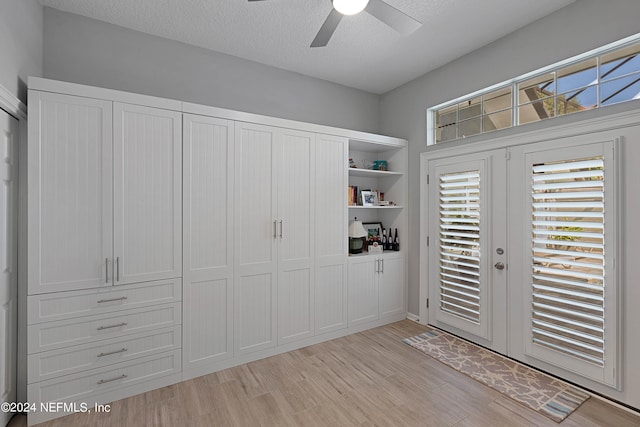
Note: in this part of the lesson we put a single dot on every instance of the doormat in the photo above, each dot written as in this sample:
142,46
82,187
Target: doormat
551,397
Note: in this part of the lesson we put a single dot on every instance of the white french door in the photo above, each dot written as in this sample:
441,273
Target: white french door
564,272
522,252
467,240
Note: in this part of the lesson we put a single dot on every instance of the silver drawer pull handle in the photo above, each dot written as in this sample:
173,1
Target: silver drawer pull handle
112,379
112,326
122,350
112,300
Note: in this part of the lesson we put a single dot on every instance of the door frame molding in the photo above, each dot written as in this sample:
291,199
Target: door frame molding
18,109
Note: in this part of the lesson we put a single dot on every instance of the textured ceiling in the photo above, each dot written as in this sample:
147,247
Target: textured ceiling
363,53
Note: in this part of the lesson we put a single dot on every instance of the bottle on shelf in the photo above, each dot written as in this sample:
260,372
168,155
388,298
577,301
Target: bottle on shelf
396,242
384,239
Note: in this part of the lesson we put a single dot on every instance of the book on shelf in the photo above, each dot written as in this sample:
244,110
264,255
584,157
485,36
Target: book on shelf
352,191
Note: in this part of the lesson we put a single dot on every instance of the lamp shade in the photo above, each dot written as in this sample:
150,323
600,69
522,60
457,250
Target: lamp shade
349,7
356,229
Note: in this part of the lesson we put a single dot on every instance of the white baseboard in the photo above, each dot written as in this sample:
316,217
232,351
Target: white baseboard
413,317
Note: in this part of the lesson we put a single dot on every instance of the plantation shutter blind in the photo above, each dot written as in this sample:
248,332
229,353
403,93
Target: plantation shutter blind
568,258
460,244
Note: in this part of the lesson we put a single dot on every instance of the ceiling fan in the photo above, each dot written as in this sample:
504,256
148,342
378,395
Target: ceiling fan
384,12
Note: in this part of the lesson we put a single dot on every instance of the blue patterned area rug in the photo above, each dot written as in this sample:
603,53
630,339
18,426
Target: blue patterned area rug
542,393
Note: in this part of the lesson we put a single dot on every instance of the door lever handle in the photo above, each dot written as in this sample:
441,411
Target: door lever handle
499,265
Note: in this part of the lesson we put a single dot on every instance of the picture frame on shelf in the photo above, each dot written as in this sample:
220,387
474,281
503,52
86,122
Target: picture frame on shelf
374,230
369,198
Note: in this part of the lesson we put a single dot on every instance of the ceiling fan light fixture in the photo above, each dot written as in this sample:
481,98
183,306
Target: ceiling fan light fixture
350,7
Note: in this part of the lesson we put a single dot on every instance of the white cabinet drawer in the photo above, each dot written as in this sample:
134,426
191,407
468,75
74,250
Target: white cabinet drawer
68,305
64,333
84,385
69,360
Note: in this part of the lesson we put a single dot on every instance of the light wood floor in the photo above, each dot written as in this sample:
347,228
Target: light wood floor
366,379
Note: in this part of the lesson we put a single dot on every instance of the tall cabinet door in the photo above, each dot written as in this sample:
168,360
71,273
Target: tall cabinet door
296,238
256,232
70,193
147,193
467,246
331,233
208,242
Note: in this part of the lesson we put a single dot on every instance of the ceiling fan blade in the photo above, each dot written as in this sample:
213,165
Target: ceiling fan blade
327,29
396,19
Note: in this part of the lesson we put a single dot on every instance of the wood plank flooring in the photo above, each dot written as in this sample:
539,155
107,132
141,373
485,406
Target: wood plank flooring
366,379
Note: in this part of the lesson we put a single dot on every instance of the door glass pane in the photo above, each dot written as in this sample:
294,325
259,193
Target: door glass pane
470,127
578,75
470,108
619,90
578,100
536,88
621,62
495,121
536,111
497,100
446,120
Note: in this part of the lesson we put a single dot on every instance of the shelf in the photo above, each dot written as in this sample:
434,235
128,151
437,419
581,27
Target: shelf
372,173
376,147
373,255
375,207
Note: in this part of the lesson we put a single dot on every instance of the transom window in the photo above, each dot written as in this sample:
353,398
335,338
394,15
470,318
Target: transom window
602,77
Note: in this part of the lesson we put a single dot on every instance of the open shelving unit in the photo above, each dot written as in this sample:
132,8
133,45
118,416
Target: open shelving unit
391,182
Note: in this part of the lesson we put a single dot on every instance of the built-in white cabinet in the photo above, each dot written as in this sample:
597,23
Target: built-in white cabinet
208,242
376,287
275,253
228,231
377,281
104,193
104,269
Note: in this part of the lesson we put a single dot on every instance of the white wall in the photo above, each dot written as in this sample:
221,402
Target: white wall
82,50
575,29
20,44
